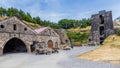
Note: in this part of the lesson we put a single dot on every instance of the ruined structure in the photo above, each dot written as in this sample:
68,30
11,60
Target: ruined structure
64,40
15,36
101,27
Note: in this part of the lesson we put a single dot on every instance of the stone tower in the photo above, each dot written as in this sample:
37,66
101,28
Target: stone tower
101,27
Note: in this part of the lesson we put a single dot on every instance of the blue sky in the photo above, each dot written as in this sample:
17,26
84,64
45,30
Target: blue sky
55,10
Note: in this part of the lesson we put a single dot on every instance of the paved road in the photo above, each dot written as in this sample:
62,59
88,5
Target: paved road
65,59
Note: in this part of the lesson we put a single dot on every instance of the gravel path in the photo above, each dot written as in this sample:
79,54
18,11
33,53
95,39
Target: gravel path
65,59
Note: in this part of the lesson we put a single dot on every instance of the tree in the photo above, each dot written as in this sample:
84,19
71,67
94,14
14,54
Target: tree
21,15
28,18
12,12
37,20
2,11
63,23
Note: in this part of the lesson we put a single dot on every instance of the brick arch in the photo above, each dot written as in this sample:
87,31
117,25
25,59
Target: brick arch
17,44
50,44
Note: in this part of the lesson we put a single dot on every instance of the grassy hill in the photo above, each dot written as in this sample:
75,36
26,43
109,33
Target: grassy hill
31,25
78,29
79,35
109,52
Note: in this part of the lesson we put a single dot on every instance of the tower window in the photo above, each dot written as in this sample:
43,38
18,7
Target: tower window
102,19
14,27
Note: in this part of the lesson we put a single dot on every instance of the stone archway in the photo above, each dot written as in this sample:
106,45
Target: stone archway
50,44
14,45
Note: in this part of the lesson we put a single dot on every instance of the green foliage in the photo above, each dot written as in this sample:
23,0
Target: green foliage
83,37
118,32
12,12
73,35
67,23
2,11
27,17
78,37
85,22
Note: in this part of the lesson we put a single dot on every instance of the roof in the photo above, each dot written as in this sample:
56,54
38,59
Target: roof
40,29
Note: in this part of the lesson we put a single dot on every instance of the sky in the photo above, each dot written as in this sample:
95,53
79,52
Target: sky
55,10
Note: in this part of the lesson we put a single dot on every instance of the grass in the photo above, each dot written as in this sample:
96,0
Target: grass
80,35
109,52
31,25
78,29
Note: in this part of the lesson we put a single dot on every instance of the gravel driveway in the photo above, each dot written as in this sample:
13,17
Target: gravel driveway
65,59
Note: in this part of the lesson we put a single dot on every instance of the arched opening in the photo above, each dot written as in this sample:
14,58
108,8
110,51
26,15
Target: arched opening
101,40
14,45
102,30
50,44
102,19
33,46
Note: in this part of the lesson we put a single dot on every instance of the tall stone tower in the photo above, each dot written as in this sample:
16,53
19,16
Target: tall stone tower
101,27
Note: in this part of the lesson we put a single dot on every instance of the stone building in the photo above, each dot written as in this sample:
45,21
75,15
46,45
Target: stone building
64,40
48,36
15,36
101,27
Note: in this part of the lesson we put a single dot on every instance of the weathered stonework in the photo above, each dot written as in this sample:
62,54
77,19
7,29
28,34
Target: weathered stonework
63,37
14,32
101,27
47,34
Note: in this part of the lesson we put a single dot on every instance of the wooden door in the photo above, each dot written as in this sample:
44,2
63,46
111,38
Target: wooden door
50,44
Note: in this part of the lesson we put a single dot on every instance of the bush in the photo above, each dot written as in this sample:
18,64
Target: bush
118,32
78,37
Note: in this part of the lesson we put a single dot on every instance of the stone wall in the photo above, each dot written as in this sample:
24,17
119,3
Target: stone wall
14,28
47,38
102,27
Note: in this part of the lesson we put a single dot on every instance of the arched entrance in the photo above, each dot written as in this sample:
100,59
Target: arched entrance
14,45
50,44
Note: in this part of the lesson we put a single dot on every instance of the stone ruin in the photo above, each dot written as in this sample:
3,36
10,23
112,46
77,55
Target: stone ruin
63,37
101,27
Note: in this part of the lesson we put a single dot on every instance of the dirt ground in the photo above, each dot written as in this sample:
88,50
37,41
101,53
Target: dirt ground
103,54
108,52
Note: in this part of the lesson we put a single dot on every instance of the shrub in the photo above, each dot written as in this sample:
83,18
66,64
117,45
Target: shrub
118,32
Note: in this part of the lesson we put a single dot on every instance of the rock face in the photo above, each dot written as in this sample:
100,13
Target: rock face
15,36
63,37
101,27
